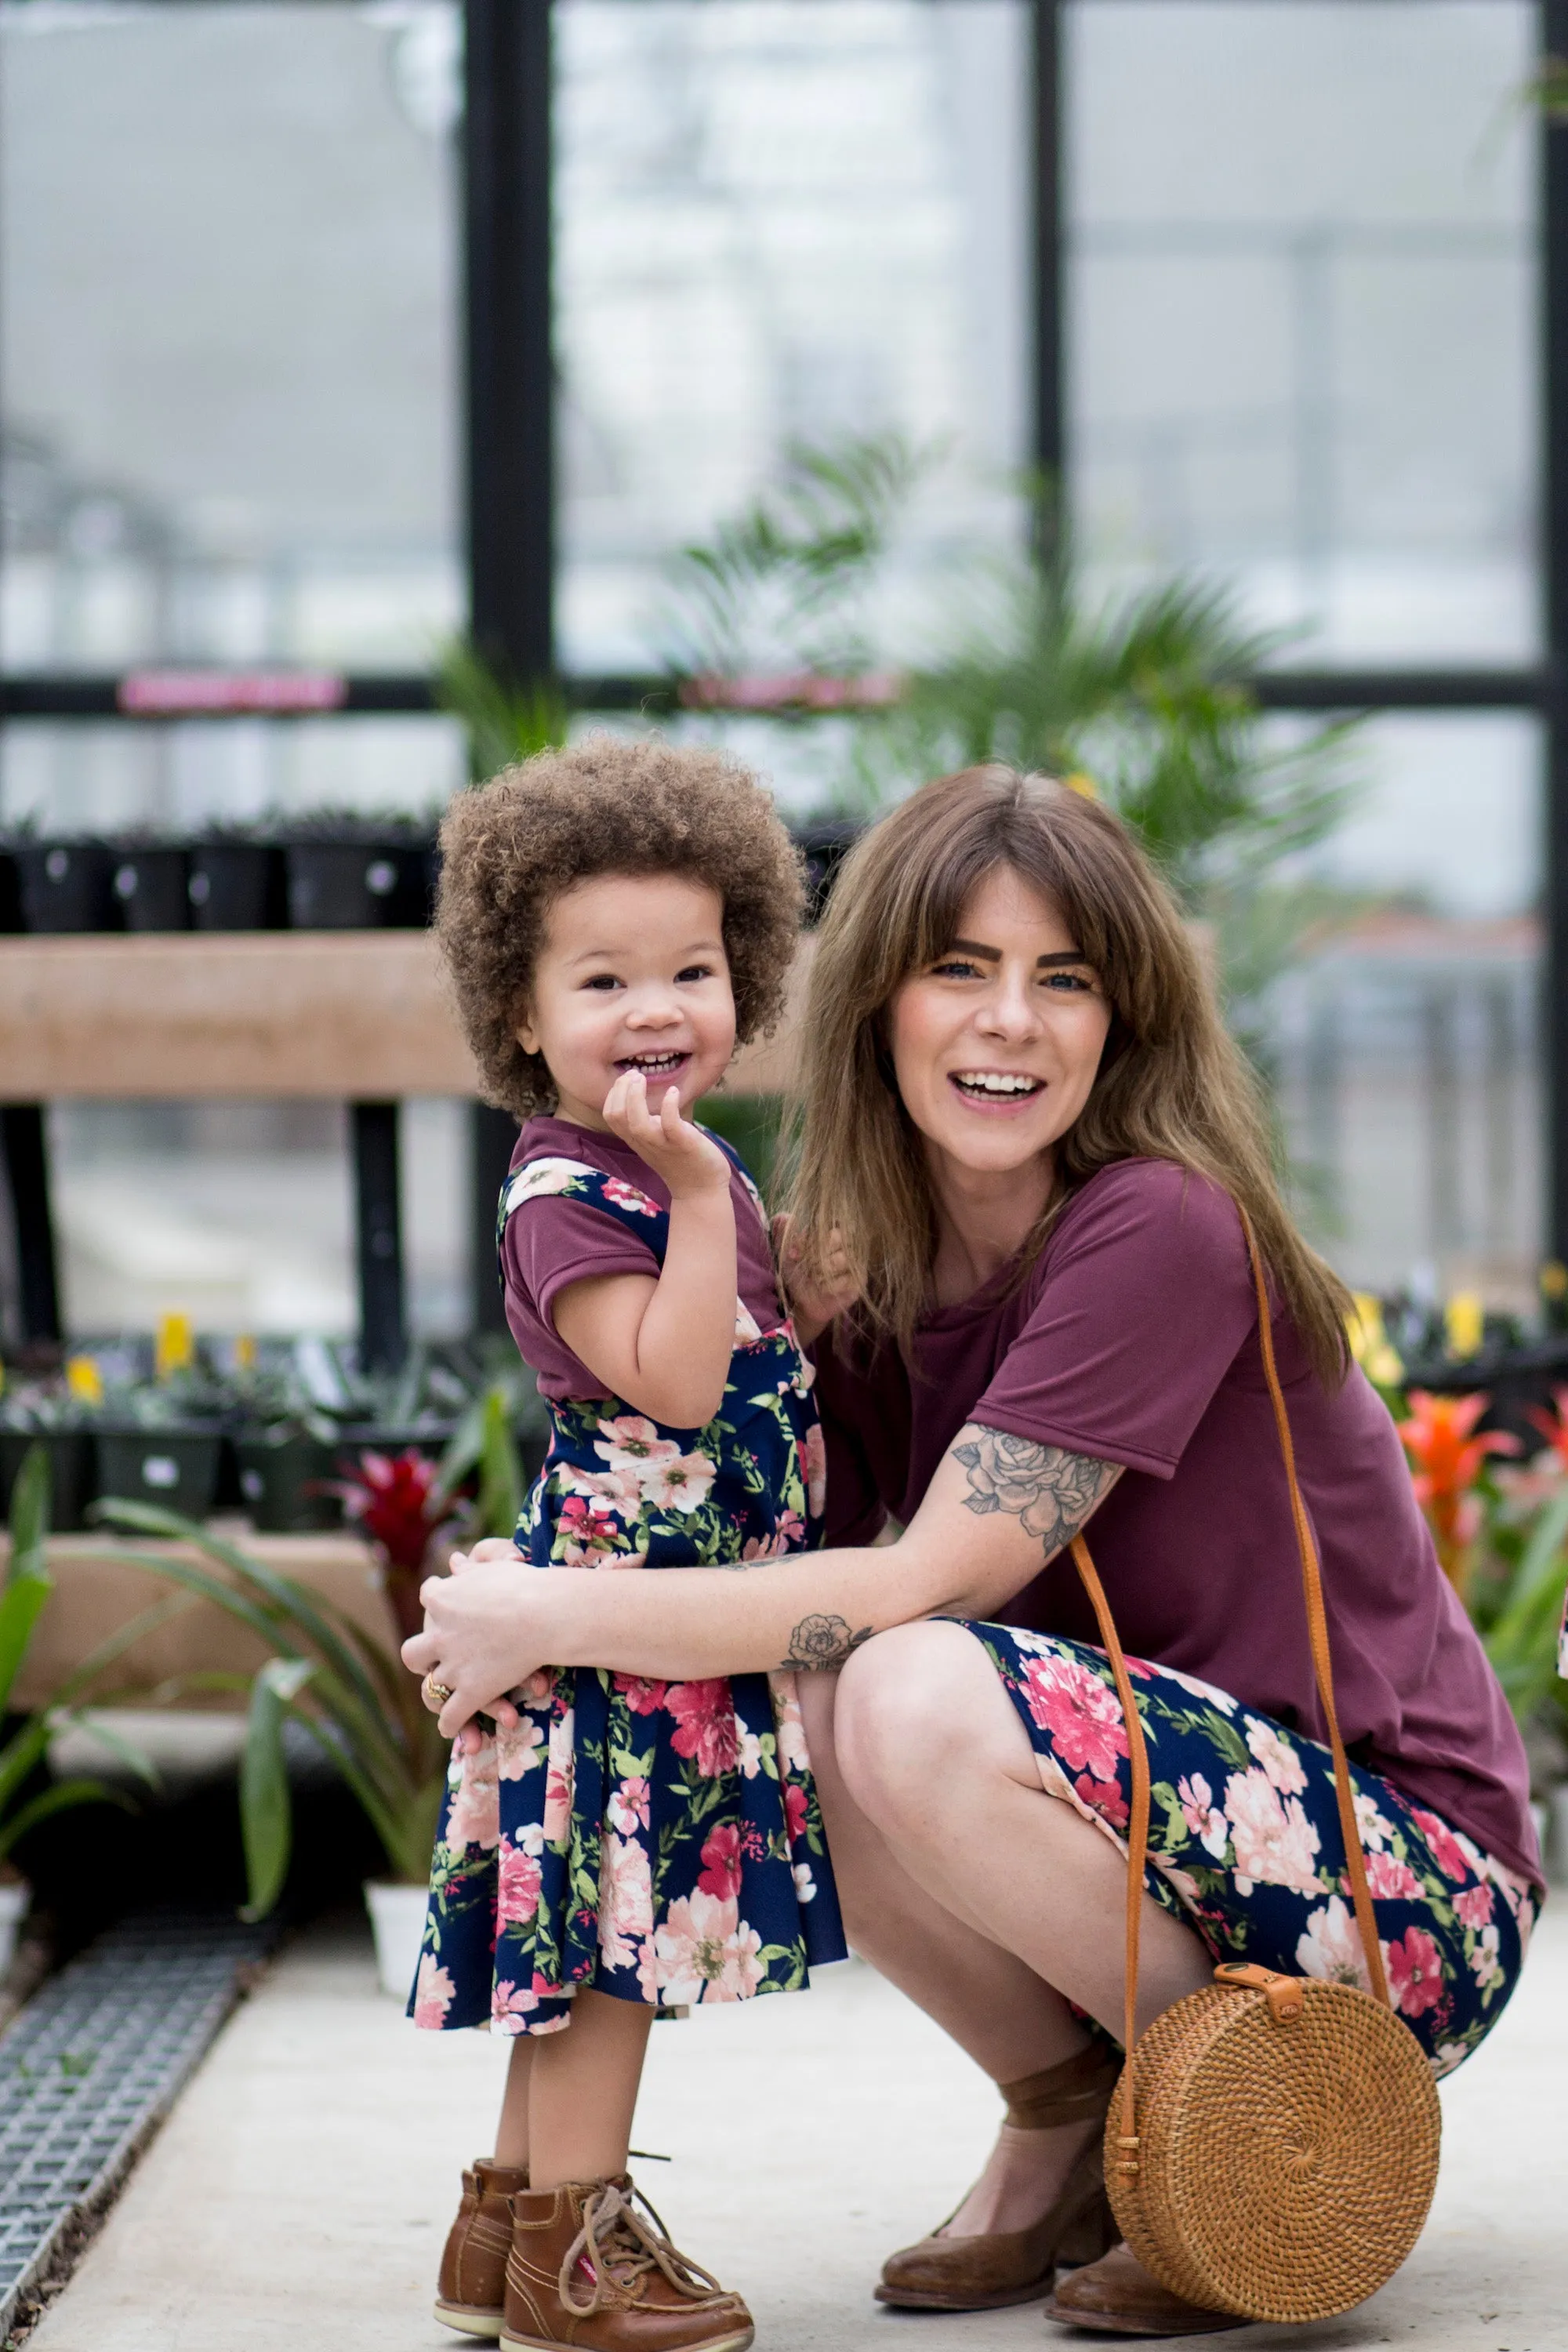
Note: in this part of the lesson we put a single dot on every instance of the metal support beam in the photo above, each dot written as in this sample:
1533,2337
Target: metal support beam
1047,216
378,1223
1554,583
510,426
27,1173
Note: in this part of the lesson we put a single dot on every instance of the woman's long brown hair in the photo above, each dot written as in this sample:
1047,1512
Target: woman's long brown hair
1172,1084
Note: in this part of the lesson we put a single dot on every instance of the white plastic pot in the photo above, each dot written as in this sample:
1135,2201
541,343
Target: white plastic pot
397,1923
15,1896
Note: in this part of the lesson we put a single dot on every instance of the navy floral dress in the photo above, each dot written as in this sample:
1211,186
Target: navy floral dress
658,1840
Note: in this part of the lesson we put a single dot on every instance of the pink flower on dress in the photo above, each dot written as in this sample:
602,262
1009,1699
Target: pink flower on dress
1083,1716
626,1196
434,1992
1203,1817
1104,1797
772,1547
1275,1844
517,1888
706,1716
705,1951
813,1468
588,1532
805,1885
1376,1827
1414,1971
1279,1759
1330,1949
1391,1881
748,1750
795,1810
789,1730
618,1488
720,1871
627,1809
518,1751
681,1485
561,1780
633,1443
1485,1961
509,2003
475,1816
1445,1845
626,1899
643,1696
1474,1907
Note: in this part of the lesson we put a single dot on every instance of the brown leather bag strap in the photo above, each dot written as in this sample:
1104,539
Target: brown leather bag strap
1138,1755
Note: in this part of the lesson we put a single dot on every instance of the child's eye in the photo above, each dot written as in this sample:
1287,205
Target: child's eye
605,980
695,972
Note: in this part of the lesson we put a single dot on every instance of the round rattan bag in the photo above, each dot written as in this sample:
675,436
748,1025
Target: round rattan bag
1287,2136
1272,2145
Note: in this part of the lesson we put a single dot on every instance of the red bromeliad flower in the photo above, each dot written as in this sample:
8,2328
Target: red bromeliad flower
1553,1425
1446,1464
393,1500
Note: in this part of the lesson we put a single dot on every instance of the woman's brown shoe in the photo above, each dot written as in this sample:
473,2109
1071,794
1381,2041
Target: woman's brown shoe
981,2273
1119,2297
590,2271
472,2289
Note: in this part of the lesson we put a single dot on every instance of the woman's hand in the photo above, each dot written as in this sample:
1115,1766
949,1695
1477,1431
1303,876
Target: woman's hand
476,1621
813,1293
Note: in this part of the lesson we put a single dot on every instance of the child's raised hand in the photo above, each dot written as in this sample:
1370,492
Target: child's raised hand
690,1161
814,1293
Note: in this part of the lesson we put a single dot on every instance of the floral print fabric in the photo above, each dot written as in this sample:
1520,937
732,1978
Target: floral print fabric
659,1841
1244,1843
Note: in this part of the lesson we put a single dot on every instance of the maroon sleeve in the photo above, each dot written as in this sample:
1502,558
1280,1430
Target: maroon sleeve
1142,1307
554,1241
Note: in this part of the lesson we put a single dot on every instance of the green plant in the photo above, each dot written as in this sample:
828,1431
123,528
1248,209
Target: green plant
326,1675
27,1587
506,719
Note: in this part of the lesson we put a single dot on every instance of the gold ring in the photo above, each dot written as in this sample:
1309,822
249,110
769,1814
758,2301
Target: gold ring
437,1691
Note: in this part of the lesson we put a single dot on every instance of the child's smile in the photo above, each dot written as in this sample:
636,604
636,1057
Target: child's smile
632,977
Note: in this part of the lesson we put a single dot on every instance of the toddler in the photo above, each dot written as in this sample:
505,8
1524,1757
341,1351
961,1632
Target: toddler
615,917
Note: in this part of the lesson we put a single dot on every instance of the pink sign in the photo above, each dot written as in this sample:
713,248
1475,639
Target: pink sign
194,693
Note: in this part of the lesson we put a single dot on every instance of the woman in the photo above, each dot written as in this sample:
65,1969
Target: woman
1025,1143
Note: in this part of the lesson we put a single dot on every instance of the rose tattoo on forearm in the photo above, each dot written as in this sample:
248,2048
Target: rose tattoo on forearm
821,1643
1049,1491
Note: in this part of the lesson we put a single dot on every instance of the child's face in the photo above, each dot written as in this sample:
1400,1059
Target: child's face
632,976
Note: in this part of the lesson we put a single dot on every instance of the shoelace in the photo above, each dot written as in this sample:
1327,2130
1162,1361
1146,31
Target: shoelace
620,2244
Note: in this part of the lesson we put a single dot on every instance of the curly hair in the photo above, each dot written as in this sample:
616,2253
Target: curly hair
606,806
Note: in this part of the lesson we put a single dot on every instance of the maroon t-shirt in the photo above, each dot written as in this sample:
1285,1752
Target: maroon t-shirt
1134,1339
555,1239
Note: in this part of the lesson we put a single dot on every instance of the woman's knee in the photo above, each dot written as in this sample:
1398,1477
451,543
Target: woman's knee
899,1708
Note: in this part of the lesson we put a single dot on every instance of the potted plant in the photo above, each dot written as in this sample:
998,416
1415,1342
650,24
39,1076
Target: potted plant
286,1448
152,877
25,1804
349,1694
62,1416
236,879
67,884
351,871
160,1440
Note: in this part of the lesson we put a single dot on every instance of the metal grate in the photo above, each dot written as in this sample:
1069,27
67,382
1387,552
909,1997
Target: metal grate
94,2063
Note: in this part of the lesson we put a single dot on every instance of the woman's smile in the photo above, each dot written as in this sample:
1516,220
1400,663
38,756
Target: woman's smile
995,1093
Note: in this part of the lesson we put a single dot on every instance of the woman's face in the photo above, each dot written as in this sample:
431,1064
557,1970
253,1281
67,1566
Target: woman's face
995,1045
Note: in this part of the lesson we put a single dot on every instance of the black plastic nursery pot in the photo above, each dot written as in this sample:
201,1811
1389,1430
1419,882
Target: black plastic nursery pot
177,1469
235,886
67,885
153,888
363,887
285,1482
10,892
72,1472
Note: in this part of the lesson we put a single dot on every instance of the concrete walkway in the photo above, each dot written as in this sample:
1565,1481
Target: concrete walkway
300,2194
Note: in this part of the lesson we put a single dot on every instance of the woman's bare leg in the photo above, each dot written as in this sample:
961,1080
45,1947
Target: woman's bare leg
979,1896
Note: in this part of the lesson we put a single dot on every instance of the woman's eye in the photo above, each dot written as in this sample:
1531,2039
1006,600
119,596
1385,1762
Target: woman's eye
1075,983
955,967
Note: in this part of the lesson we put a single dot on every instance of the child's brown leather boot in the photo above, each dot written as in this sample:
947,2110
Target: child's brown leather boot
472,2289
592,2270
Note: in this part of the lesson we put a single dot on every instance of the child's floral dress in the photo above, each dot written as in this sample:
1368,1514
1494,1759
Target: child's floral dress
659,1841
